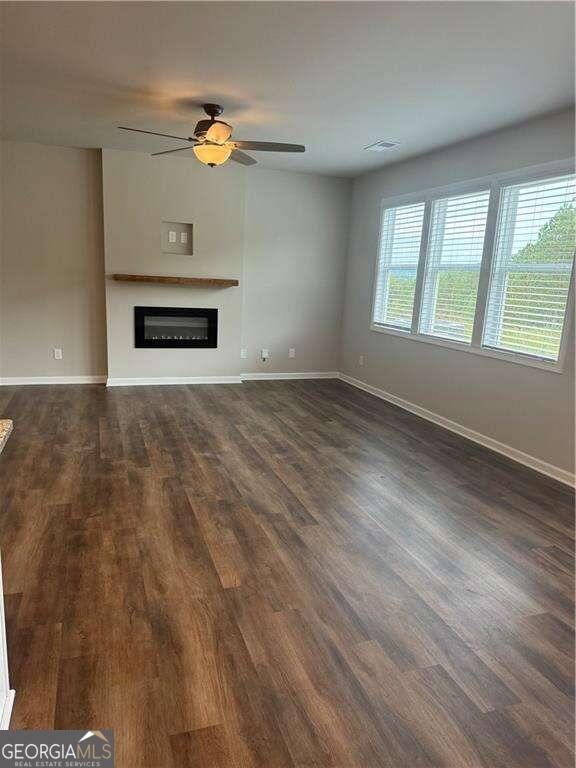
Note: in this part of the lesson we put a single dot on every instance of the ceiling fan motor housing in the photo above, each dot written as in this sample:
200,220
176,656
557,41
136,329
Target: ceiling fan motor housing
214,110
202,126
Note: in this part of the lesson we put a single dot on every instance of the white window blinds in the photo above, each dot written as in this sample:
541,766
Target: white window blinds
400,235
531,267
452,269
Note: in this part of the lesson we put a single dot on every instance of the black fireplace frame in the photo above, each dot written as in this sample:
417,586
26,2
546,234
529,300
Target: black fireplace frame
141,342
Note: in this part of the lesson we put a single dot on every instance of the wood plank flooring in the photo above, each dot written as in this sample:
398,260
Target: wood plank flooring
282,575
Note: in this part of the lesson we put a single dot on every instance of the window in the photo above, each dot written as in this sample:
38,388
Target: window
400,234
484,268
454,257
532,267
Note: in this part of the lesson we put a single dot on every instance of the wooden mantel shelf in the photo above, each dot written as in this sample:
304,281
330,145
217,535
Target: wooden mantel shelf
208,282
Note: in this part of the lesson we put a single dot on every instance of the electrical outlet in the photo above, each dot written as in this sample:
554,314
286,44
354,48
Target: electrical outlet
57,353
243,354
264,354
291,352
361,360
183,237
171,236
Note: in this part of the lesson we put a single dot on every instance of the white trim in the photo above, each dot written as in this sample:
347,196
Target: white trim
169,380
420,269
10,381
281,376
488,442
529,173
6,709
461,346
485,273
494,183
6,693
164,380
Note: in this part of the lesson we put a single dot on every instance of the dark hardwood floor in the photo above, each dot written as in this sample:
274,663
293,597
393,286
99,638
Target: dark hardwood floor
282,575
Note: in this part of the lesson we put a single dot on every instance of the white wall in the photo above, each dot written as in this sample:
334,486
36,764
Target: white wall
274,230
52,269
139,192
296,245
526,408
282,234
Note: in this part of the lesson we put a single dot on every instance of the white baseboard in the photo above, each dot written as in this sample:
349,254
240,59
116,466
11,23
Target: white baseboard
164,380
488,442
283,376
12,381
6,709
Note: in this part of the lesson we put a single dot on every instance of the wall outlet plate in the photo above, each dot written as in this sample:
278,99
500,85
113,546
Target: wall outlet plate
176,237
291,352
362,360
264,354
243,354
57,353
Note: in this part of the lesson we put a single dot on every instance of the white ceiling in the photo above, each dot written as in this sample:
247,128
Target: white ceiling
335,76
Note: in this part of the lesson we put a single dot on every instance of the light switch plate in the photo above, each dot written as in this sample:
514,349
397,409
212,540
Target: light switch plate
176,237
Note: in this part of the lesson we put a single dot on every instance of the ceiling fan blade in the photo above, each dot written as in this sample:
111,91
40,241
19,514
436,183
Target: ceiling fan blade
269,146
169,151
153,133
242,158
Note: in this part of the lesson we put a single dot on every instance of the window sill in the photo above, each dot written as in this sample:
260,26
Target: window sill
507,357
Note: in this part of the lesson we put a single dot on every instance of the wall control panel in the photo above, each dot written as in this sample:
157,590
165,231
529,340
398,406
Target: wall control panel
176,237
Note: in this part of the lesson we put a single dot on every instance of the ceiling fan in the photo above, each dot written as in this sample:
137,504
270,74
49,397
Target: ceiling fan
211,141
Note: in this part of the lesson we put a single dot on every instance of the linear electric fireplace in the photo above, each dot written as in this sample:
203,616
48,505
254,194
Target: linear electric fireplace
175,327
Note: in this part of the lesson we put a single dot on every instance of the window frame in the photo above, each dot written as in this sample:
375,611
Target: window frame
494,183
396,266
428,269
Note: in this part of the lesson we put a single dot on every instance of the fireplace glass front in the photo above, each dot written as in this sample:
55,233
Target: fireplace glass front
175,327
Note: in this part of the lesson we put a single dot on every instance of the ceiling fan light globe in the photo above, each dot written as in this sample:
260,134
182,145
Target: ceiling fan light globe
219,132
212,154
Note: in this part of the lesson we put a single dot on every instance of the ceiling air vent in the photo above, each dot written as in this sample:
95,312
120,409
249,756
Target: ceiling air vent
385,145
